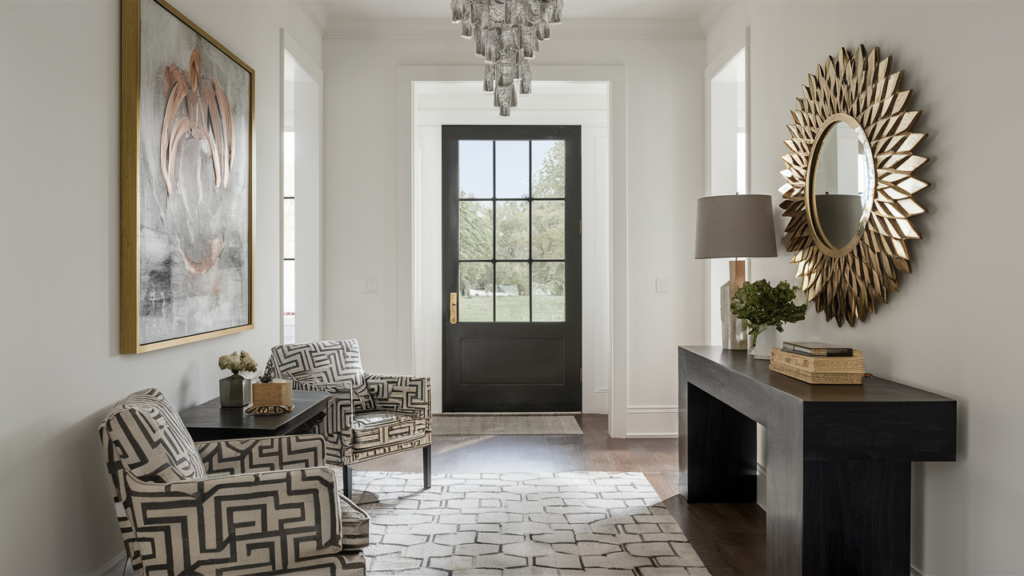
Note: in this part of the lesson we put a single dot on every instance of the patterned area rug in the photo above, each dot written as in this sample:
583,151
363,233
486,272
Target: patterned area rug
526,523
502,425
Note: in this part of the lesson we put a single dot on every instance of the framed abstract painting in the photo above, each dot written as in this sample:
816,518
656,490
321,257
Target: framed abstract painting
186,182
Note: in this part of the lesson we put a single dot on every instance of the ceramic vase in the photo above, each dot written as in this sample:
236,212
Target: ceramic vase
765,343
235,391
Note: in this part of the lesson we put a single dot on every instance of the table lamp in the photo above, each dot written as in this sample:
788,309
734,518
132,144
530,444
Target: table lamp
740,226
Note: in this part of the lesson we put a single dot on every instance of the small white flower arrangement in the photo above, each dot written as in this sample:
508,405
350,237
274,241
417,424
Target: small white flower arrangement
238,362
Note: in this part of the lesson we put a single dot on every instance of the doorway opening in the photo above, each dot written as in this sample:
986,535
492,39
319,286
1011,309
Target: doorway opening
300,198
585,103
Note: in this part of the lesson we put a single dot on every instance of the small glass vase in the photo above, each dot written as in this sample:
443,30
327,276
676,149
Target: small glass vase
235,391
765,343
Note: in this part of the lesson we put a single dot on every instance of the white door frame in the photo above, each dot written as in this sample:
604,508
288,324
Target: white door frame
407,219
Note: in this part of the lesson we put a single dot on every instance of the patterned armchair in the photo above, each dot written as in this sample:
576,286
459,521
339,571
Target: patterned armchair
254,506
369,415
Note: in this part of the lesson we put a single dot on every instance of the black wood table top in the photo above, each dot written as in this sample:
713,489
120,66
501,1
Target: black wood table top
873,389
210,421
879,420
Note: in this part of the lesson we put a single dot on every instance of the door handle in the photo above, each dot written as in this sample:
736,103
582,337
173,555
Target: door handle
453,308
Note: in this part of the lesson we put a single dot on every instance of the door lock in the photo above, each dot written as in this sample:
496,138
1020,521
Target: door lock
453,308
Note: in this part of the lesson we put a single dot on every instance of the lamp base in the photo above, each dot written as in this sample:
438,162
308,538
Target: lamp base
734,330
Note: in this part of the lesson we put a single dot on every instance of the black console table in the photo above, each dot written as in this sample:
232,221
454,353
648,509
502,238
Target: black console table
838,458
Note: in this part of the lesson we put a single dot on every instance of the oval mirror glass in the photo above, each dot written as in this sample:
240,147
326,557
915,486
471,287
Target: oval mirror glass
842,186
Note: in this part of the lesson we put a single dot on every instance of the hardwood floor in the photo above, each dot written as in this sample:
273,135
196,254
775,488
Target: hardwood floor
730,538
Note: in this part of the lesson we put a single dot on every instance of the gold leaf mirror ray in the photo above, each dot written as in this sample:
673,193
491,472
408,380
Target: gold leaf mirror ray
850,189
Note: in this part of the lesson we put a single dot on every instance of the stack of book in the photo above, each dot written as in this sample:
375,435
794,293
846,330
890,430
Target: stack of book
817,363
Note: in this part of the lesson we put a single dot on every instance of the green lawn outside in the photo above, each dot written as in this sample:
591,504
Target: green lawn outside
512,309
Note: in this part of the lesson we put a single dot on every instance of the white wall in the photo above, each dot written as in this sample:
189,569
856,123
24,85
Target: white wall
665,115
59,181
953,327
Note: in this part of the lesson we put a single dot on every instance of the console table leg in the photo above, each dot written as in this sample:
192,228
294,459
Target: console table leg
721,445
856,517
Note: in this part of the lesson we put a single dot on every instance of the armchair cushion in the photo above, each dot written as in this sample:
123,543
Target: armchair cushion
325,366
356,534
262,454
148,437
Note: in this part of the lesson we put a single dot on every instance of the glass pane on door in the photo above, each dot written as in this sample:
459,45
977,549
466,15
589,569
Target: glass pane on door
476,230
548,169
476,164
512,292
512,168
548,230
476,292
549,291
513,230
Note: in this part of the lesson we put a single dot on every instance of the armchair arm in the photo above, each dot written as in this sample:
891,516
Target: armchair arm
262,454
266,521
402,394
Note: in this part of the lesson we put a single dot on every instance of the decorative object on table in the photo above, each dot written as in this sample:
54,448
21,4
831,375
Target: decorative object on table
763,307
369,415
148,451
739,226
850,190
819,369
269,410
507,34
816,349
235,391
186,186
277,392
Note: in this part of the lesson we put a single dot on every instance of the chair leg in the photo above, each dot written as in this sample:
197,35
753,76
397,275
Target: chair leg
346,473
426,467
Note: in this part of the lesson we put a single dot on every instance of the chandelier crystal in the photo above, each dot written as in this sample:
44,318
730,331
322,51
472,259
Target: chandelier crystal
507,34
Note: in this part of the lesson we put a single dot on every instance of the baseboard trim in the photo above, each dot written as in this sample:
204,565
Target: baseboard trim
650,435
116,567
915,572
507,413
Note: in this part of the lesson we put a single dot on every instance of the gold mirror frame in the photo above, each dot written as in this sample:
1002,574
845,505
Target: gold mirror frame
846,284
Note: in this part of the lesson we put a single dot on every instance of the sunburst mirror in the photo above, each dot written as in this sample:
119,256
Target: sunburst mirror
850,188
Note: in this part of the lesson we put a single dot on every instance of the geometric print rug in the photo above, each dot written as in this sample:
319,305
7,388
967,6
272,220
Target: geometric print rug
520,524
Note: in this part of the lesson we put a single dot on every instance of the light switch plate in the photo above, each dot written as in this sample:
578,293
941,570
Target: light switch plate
370,285
661,285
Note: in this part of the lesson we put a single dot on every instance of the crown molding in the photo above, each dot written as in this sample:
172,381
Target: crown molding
316,13
711,14
573,29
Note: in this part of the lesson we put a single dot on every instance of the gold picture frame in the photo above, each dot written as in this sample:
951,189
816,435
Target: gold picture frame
847,282
189,227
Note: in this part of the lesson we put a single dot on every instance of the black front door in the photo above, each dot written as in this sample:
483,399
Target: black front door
512,271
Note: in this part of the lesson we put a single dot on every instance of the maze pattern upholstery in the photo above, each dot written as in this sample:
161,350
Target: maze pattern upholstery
262,454
349,442
273,515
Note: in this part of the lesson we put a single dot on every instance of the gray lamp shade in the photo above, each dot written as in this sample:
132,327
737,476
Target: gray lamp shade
740,226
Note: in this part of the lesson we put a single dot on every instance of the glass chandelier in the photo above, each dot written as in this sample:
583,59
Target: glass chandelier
507,34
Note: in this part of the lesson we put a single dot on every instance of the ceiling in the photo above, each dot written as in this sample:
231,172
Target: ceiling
575,9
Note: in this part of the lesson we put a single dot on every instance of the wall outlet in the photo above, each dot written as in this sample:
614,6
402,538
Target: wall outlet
370,285
661,285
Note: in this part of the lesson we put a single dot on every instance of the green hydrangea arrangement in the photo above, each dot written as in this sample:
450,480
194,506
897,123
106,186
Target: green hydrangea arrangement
238,362
762,306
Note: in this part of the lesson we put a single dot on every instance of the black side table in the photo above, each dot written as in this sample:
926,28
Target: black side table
210,421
